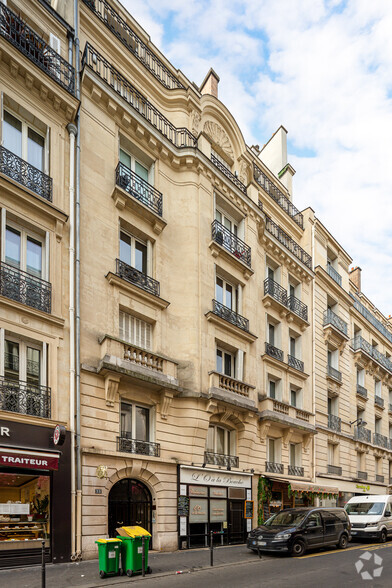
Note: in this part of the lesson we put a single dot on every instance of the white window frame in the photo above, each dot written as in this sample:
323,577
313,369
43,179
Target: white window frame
25,129
229,440
297,454
136,331
24,234
23,344
151,419
134,160
235,297
378,388
277,444
233,362
135,240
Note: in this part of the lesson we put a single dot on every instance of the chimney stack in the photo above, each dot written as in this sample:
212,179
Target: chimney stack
210,83
355,277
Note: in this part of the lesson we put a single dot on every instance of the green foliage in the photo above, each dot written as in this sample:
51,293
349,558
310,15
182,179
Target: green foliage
41,506
264,494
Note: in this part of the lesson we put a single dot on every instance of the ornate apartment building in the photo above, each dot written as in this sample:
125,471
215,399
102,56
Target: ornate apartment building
201,339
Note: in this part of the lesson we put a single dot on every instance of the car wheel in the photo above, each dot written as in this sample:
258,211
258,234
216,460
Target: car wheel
298,548
383,536
343,541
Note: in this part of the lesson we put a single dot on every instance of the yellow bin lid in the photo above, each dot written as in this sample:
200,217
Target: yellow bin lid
136,532
107,540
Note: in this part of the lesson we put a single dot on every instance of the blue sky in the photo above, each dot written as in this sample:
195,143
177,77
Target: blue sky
323,69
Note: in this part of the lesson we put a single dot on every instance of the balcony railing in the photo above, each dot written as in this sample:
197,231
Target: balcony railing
25,288
330,318
278,196
143,357
381,440
336,470
295,363
331,271
288,242
180,137
25,174
379,401
128,37
372,319
361,391
334,373
273,351
362,475
273,468
21,36
298,307
134,276
219,459
233,385
135,446
275,290
25,398
225,170
359,343
295,471
139,188
379,478
362,434
334,423
281,407
230,316
231,242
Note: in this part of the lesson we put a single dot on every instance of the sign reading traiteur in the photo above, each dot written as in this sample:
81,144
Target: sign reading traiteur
33,460
189,475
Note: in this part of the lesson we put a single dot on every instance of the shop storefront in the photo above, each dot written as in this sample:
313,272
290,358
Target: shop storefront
35,504
212,500
349,489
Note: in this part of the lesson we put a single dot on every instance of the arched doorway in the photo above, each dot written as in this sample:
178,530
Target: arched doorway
130,504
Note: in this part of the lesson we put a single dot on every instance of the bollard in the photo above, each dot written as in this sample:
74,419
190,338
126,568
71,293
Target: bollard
43,571
143,559
211,549
258,550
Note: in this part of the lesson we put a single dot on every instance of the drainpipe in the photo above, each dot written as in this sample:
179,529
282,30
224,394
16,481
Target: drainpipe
314,353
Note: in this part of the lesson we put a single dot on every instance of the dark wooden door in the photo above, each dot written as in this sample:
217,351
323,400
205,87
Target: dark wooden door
129,504
236,521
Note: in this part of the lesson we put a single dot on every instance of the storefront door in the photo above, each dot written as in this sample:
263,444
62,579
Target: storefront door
236,521
129,504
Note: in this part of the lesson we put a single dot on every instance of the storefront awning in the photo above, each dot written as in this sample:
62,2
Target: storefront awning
32,460
305,487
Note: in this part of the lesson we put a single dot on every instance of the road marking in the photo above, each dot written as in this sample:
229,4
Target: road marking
370,546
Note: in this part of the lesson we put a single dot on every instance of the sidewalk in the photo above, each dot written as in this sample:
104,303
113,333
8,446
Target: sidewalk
85,574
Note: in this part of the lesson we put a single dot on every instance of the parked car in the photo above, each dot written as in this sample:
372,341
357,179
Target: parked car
297,529
370,516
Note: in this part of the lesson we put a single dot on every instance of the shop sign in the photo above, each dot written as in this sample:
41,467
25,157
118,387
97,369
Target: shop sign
4,432
215,478
14,508
198,510
218,492
182,526
32,460
218,511
59,435
198,491
362,487
248,509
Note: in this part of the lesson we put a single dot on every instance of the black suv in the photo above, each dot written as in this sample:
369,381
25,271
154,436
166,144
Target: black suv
297,529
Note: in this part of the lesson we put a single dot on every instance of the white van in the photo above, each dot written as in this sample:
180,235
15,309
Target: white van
370,516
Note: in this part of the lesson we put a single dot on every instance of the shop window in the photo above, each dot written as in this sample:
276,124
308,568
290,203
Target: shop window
135,422
221,440
135,330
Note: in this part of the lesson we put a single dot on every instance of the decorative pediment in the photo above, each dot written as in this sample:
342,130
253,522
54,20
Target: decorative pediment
218,137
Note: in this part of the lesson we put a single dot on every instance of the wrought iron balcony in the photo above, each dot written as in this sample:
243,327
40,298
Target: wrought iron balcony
139,188
298,307
295,363
273,351
362,434
381,440
130,39
379,478
25,398
278,196
361,391
295,471
372,319
330,318
22,172
219,459
124,443
379,401
180,137
231,242
230,316
334,423
331,271
134,276
359,343
334,373
25,288
21,36
273,468
275,290
225,170
336,470
288,242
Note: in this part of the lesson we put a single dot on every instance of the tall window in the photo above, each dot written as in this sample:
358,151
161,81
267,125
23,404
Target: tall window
271,334
133,164
133,252
331,453
226,293
377,388
377,425
220,440
23,361
24,250
296,397
292,346
225,363
361,377
24,141
135,330
226,221
135,422
274,450
295,454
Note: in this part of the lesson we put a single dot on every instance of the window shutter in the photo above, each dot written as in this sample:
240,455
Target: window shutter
134,330
233,442
54,42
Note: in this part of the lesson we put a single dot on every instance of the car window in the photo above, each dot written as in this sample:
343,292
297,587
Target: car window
314,516
330,517
365,508
286,519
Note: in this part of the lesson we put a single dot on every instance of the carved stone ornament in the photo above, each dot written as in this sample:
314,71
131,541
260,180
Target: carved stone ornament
243,175
195,122
219,137
102,472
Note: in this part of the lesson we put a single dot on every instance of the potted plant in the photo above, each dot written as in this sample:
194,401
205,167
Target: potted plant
41,507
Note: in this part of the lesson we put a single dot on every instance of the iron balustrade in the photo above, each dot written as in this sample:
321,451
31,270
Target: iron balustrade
298,307
359,343
25,288
334,373
275,290
278,196
25,174
363,434
273,468
288,242
372,319
11,363
379,401
295,363
362,475
133,43
180,137
333,469
225,170
331,318
295,471
127,445
134,276
334,423
220,459
331,271
230,315
380,478
361,391
230,242
273,351
20,35
25,398
129,181
380,440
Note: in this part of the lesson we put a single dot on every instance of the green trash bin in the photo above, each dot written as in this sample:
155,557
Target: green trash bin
132,550
109,557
